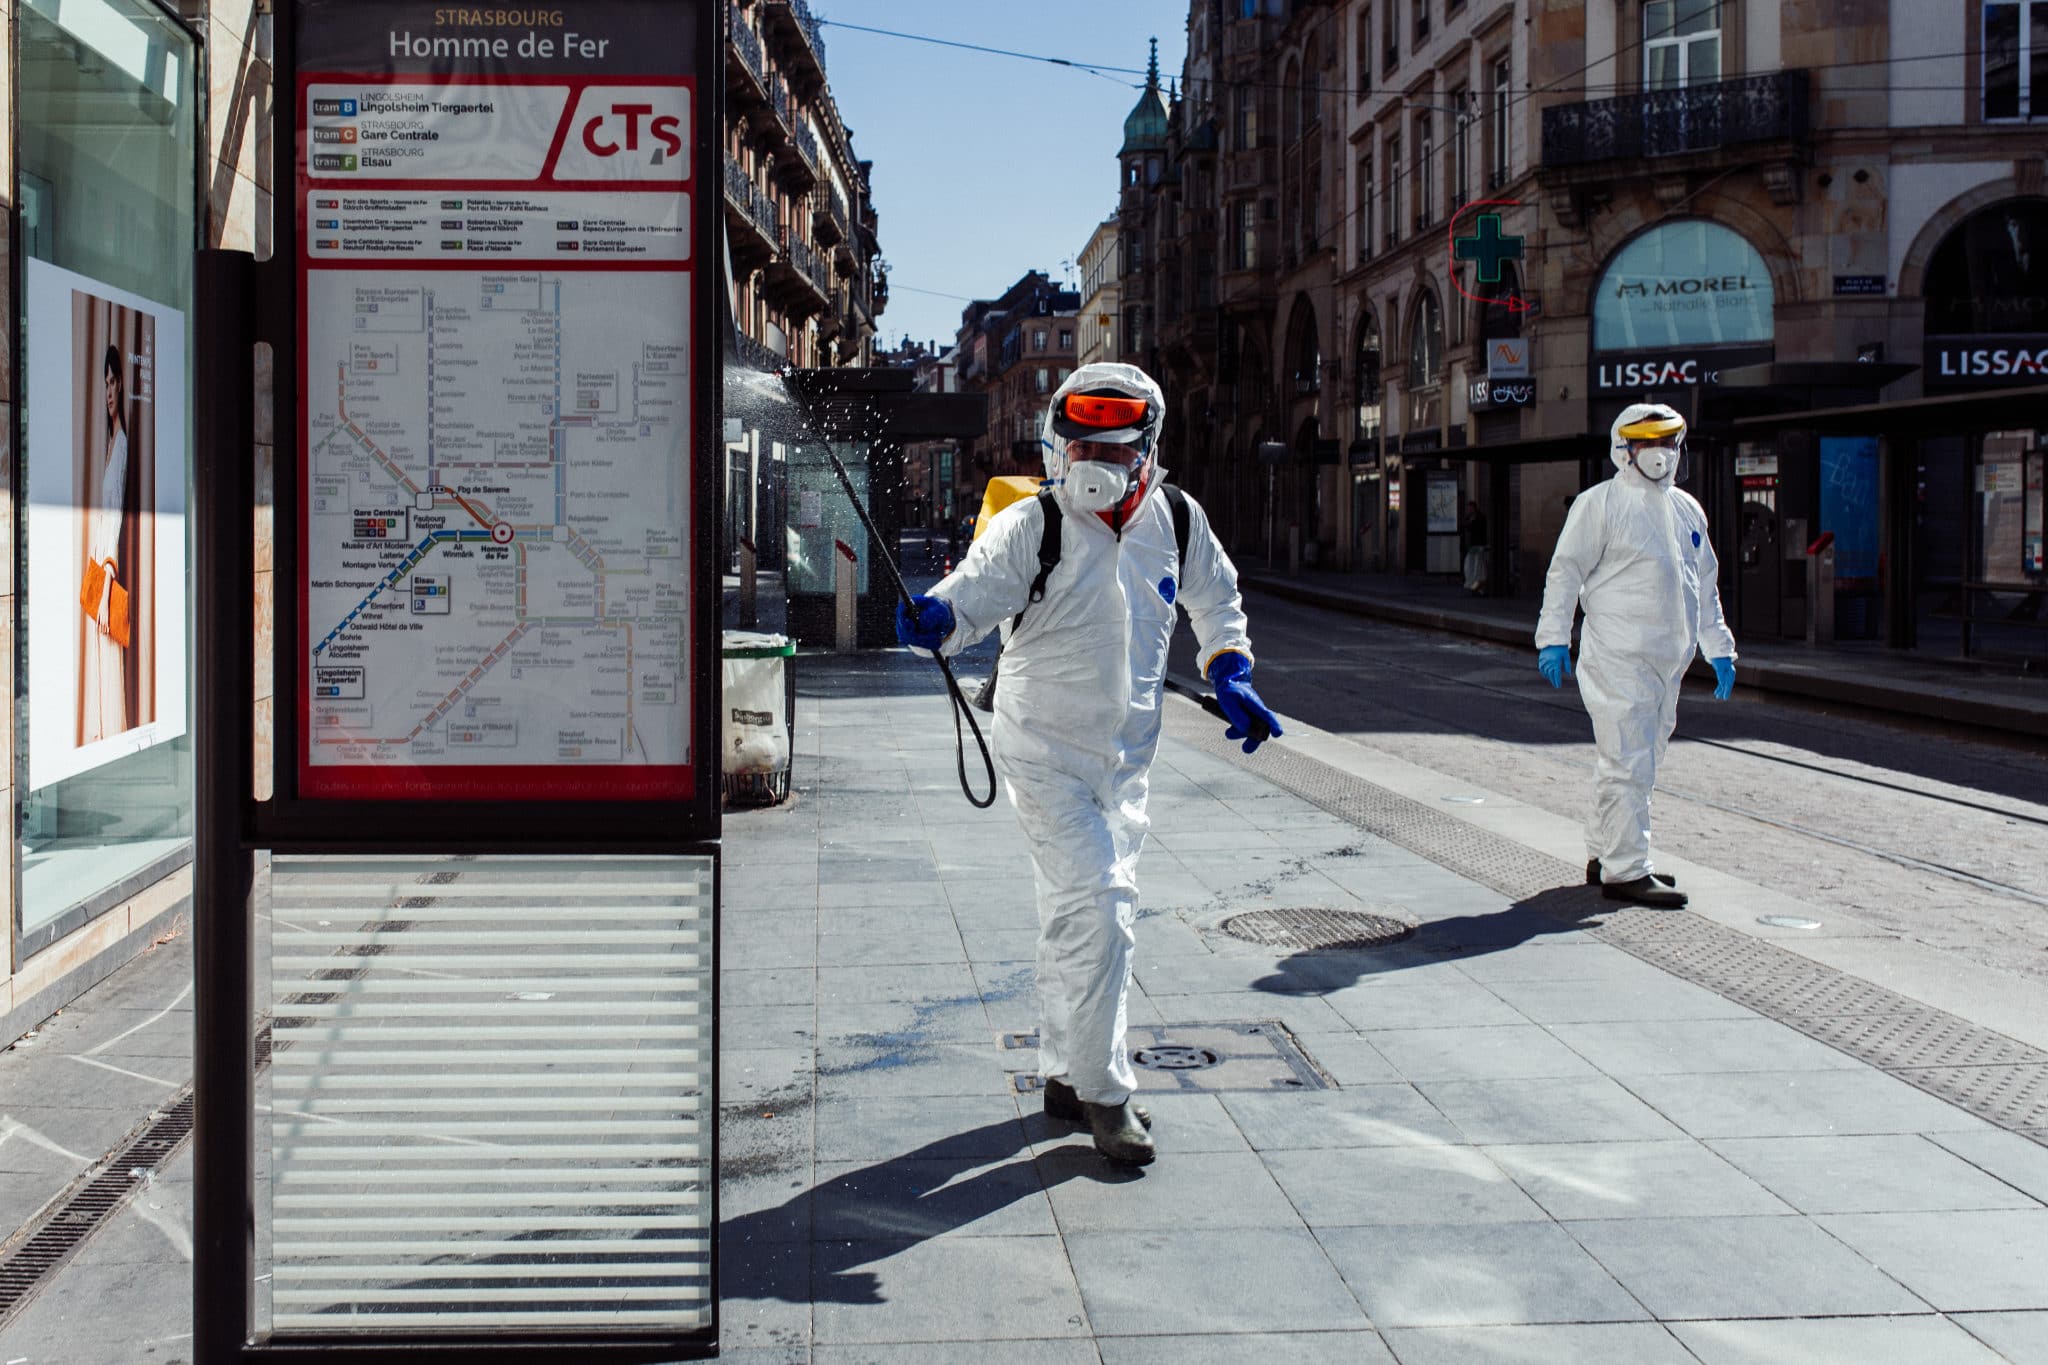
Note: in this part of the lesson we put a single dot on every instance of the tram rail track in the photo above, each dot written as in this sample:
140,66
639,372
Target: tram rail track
1571,713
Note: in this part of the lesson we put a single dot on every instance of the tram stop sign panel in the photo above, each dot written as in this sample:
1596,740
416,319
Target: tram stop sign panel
497,278
489,1098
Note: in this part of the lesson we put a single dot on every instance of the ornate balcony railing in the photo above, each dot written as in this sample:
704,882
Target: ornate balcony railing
805,260
778,95
1698,118
807,145
748,44
814,33
751,198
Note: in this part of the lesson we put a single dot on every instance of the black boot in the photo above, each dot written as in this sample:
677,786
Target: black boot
1118,1134
1593,875
1644,891
1063,1104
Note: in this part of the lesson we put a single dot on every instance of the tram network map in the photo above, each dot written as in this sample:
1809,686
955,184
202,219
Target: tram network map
497,510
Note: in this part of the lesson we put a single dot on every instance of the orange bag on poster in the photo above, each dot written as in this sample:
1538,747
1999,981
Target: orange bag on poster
96,577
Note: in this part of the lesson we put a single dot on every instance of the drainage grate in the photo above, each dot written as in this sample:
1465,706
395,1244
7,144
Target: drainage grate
1175,1057
1978,1070
1257,1055
1323,931
25,1269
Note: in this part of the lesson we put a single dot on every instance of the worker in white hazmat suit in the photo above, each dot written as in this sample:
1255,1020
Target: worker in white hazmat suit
1087,612
1636,556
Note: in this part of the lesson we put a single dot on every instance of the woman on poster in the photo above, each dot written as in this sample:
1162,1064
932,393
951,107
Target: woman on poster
102,692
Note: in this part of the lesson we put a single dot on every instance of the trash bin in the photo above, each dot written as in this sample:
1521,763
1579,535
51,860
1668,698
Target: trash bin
759,717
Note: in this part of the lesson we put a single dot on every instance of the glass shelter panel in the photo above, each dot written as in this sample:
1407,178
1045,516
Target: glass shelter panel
107,125
489,1095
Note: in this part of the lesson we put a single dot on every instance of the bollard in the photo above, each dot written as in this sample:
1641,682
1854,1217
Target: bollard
845,620
1294,552
1820,590
749,601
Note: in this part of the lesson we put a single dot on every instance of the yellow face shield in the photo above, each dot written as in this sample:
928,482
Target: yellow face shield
1653,429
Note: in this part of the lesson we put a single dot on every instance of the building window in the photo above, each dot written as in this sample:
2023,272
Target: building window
1365,376
1498,166
1134,329
1461,146
1390,190
1362,209
2015,58
1044,379
1421,21
1390,37
1244,240
1066,338
1364,56
1247,136
1426,343
1425,171
1311,88
1681,43
1038,338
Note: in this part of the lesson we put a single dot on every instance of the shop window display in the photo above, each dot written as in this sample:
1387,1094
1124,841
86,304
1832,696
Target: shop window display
108,124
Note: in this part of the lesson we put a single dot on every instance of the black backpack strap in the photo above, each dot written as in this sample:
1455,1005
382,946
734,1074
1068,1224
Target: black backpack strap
1178,501
1048,552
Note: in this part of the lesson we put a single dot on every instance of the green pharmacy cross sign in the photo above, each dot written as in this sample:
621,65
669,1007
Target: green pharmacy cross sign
1488,246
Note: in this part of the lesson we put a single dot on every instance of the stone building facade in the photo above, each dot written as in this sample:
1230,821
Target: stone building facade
1017,349
1756,212
801,227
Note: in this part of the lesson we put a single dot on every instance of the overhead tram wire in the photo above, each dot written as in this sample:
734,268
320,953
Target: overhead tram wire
1400,174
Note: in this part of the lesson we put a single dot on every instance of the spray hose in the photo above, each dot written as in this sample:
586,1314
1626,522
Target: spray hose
960,704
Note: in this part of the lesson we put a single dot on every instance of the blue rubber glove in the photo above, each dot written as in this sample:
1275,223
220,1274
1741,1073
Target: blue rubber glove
1251,720
928,629
1554,662
1724,678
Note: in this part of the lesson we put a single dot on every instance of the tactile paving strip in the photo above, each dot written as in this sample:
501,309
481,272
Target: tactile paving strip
1974,1068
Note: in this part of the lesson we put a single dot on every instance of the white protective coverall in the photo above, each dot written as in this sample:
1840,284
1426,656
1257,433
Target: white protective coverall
1077,719
1636,555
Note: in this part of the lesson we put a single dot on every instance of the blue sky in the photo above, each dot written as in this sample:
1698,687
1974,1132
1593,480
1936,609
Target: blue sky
987,166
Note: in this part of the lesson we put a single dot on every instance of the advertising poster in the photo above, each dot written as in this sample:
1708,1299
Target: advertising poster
497,271
106,532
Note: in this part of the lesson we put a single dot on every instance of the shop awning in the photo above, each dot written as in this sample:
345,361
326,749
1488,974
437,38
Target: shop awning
1542,450
1941,413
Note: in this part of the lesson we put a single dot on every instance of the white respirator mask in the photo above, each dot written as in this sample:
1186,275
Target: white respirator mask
1098,485
1656,463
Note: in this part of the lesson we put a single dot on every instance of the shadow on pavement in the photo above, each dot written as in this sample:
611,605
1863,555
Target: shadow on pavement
868,1215
1559,910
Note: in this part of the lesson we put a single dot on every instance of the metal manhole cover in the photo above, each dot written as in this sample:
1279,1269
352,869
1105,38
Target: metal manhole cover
1317,930
1174,1057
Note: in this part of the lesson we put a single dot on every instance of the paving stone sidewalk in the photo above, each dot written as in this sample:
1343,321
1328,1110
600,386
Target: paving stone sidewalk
1532,1147
1518,1144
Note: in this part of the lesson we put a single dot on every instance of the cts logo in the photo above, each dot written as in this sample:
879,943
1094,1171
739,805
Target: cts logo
627,132
663,132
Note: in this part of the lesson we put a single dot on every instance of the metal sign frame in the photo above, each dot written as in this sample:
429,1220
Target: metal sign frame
240,303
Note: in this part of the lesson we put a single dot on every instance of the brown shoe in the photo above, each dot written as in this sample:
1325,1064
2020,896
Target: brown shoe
1118,1134
1063,1104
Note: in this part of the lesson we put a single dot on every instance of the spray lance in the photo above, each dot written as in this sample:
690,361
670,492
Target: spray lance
960,704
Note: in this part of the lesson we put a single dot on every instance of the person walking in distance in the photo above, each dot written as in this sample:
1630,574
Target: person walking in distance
1084,580
1635,554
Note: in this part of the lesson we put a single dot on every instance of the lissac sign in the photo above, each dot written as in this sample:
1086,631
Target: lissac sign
1977,361
1637,373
